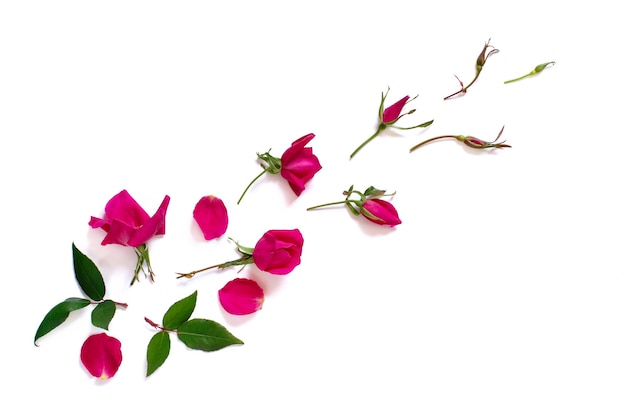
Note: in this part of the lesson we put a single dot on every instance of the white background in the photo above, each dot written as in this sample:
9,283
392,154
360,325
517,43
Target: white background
500,294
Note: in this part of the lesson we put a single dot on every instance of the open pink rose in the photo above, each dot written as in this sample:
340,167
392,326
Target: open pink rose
102,355
278,251
241,296
380,212
211,215
127,224
299,165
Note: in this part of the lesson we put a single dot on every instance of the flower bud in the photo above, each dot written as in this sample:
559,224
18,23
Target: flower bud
278,251
380,212
241,296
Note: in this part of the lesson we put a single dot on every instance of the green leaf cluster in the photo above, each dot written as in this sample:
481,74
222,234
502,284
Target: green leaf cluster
197,334
91,283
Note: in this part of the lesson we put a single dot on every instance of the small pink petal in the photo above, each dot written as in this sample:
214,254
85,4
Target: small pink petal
392,112
241,296
102,355
211,215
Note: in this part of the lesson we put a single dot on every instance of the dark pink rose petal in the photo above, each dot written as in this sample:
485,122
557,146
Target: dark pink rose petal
278,251
102,355
299,165
153,226
211,215
241,296
124,208
392,112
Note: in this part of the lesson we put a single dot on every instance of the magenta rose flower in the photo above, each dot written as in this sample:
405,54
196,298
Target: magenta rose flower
369,205
388,116
101,354
211,216
126,223
298,165
241,296
277,252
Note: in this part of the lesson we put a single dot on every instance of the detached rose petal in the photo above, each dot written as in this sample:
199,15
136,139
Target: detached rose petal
380,212
211,215
278,251
102,355
241,296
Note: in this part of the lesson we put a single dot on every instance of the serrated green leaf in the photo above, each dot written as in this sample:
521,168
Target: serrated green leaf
58,314
88,275
207,335
180,312
102,315
158,351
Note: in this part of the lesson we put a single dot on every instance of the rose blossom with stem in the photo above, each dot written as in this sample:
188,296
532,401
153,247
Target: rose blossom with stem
369,205
277,252
389,116
471,141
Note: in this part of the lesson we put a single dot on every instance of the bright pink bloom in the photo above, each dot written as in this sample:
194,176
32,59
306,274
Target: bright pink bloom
380,212
392,113
241,296
298,164
211,215
127,224
102,355
278,251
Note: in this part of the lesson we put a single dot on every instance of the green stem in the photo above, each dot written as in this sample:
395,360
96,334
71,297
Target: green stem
244,260
334,203
249,185
381,127
464,89
519,78
429,140
143,258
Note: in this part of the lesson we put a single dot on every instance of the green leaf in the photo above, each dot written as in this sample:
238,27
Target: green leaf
180,312
88,276
58,314
158,351
207,335
102,315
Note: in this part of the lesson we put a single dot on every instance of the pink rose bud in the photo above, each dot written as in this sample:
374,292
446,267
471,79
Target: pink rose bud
298,164
101,355
241,296
127,224
392,113
211,215
380,212
278,251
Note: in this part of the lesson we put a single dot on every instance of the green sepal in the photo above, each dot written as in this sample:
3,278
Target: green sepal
88,276
180,312
425,124
206,335
102,314
58,314
158,351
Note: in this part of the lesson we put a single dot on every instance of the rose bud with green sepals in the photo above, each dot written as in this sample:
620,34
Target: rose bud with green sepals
480,63
389,116
471,141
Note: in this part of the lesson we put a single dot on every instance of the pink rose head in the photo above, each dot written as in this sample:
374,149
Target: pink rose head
380,212
241,296
102,355
298,164
278,251
211,215
127,224
392,113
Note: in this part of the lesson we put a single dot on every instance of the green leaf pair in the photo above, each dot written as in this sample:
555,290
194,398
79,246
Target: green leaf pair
92,284
198,334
